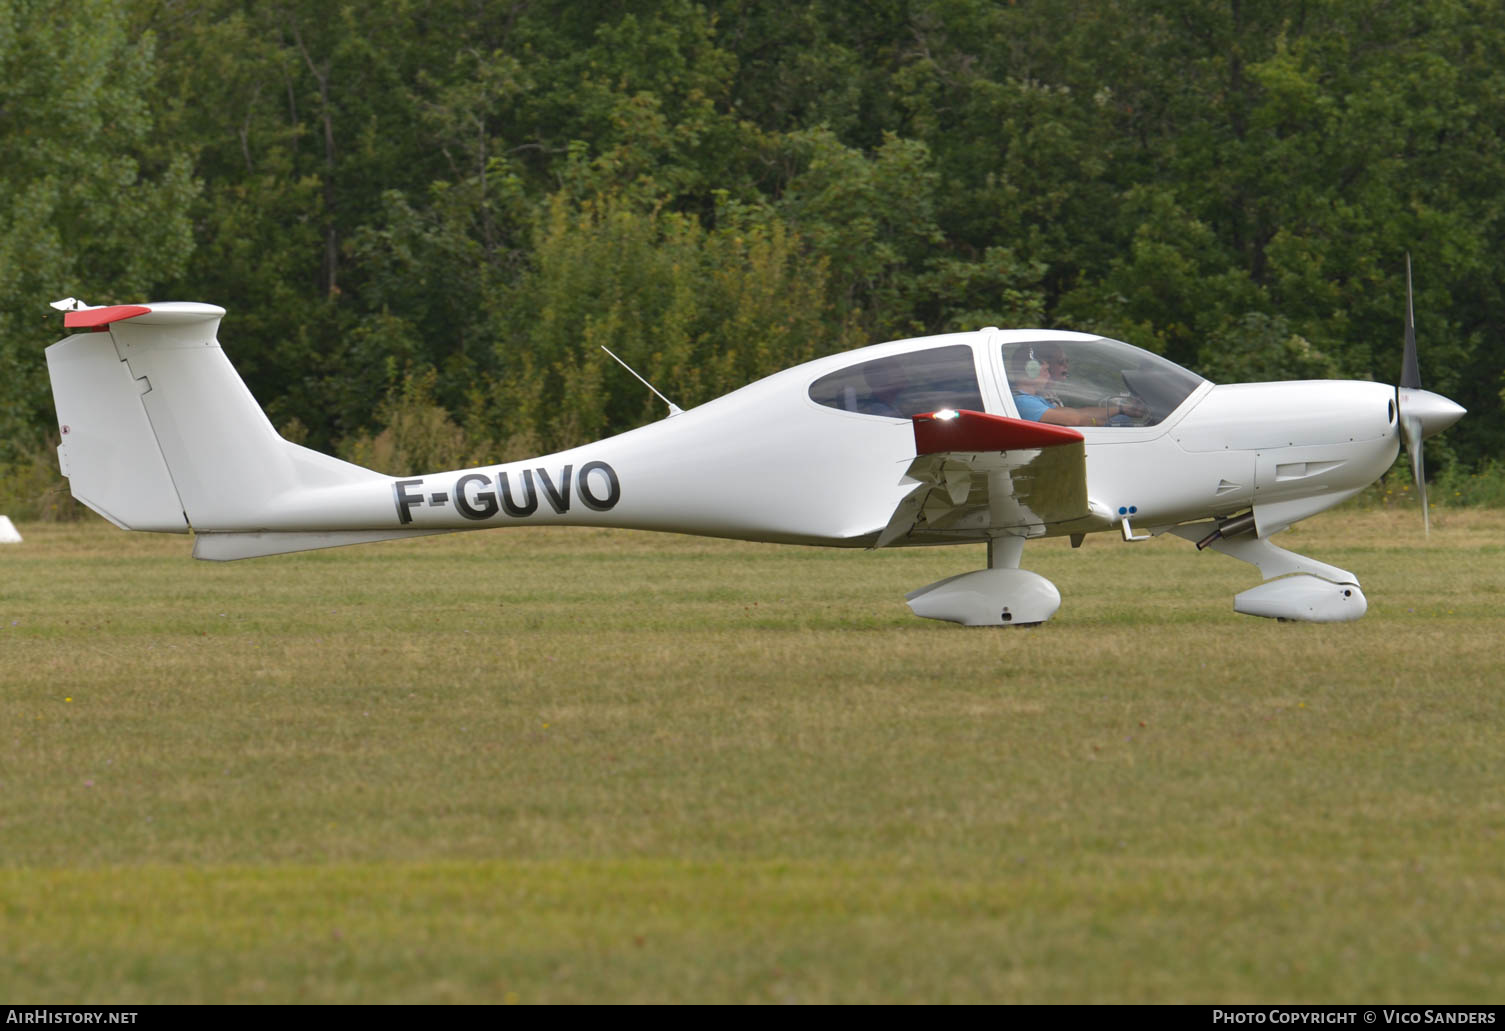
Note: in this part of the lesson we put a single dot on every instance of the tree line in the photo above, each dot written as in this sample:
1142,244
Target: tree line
425,216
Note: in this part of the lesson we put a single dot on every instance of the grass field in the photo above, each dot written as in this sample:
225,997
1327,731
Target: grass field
571,766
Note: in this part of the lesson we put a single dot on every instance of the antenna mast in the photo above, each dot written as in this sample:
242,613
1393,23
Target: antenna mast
674,409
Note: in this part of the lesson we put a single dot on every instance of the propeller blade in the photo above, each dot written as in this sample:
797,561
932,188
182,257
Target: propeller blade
1421,413
1410,424
1411,430
1410,375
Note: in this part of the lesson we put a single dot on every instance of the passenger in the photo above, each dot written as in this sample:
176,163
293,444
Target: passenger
1030,370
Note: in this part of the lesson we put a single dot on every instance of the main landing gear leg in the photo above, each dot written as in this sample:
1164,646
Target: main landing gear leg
1295,587
1001,595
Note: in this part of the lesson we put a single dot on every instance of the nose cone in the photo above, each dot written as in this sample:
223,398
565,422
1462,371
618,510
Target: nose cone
1434,412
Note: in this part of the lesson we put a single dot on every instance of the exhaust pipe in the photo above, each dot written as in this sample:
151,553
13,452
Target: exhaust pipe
1228,528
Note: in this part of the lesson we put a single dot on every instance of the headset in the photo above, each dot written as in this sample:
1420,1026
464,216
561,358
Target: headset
1032,367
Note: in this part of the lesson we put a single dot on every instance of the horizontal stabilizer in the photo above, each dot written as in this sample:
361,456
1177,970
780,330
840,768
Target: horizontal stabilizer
90,318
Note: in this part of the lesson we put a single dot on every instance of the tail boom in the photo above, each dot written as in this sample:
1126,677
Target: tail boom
161,434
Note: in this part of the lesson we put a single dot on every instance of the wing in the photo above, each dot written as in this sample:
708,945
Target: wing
978,473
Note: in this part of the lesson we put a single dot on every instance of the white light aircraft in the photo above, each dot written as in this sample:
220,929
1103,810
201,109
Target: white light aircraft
994,436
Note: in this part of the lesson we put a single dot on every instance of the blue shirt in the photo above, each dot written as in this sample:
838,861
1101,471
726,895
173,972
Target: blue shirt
1032,407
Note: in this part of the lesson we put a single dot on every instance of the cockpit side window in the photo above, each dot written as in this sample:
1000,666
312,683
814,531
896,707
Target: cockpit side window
903,385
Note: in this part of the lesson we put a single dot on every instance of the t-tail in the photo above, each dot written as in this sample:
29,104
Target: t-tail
159,433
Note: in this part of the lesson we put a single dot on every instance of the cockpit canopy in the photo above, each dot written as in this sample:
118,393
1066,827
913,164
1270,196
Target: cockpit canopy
1076,371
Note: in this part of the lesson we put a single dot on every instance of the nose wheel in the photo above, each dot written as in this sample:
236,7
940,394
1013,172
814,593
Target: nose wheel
1295,588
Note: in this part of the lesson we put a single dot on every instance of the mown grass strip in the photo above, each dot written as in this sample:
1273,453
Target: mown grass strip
595,766
663,930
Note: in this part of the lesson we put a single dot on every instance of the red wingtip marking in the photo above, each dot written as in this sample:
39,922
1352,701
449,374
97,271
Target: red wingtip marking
978,431
91,317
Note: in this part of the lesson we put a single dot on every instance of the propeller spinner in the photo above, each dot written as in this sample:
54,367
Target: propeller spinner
1421,413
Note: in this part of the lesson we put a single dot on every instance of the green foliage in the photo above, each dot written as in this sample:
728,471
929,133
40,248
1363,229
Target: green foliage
90,205
389,188
1458,485
417,434
1168,292
32,488
696,311
872,220
1260,348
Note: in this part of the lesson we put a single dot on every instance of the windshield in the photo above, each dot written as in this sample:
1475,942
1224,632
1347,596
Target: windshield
1142,387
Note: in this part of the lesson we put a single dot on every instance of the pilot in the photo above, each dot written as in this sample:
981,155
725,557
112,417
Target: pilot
1055,361
1031,370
